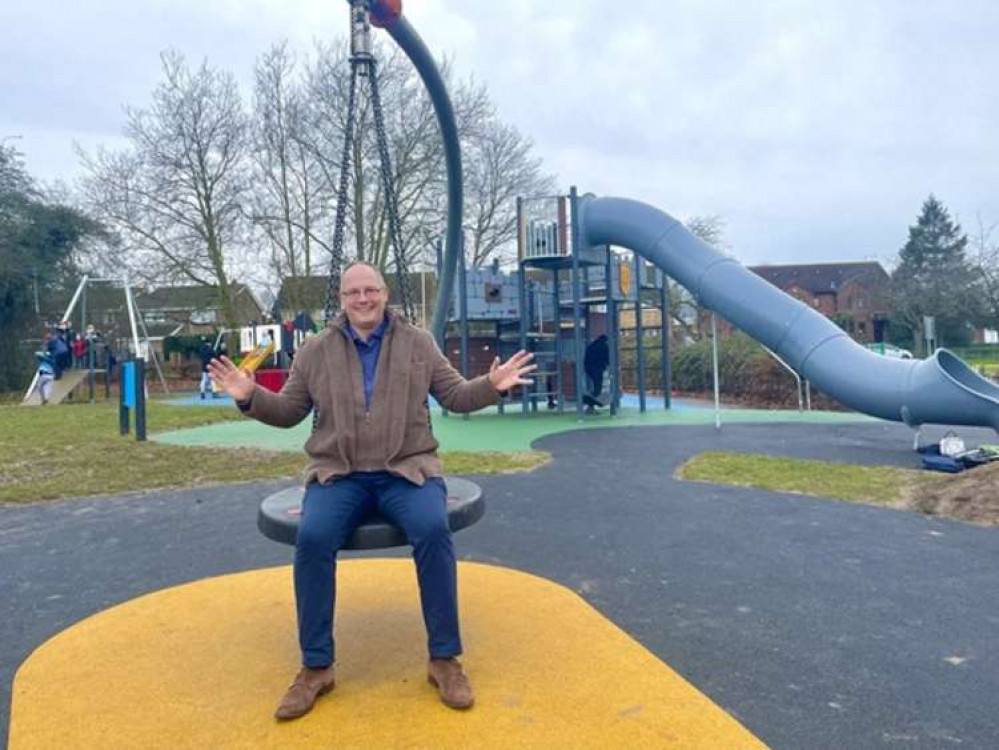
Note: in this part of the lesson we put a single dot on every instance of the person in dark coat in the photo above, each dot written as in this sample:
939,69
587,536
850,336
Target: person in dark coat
57,347
64,331
206,354
595,362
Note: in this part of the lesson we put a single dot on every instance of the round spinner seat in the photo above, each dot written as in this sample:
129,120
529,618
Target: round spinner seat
279,514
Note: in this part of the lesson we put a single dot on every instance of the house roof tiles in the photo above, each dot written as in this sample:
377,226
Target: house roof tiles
821,278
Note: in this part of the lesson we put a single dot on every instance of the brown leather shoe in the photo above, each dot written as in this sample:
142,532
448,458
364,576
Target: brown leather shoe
309,684
450,681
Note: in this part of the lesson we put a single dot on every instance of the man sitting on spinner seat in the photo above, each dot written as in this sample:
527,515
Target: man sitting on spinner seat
368,375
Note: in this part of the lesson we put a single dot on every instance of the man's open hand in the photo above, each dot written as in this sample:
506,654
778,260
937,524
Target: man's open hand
510,373
231,379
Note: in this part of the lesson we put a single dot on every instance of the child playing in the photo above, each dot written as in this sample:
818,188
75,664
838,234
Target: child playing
46,374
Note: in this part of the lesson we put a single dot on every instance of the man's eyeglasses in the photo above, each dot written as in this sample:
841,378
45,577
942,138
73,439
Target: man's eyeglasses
368,291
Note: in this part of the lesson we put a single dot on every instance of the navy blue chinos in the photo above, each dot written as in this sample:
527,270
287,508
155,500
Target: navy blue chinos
331,512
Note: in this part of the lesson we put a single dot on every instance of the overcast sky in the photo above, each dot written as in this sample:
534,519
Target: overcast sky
815,129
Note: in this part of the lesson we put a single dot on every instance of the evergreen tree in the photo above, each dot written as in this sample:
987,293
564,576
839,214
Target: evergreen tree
934,278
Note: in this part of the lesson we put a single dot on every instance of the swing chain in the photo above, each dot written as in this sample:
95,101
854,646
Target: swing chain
362,62
391,204
336,261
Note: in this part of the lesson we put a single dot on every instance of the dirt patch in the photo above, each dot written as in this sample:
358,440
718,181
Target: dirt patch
971,496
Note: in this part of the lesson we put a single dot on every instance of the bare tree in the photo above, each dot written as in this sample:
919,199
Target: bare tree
685,310
202,186
498,163
412,138
174,195
290,197
499,168
985,262
710,228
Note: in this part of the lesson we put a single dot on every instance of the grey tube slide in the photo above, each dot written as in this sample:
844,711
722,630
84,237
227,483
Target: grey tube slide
410,42
938,390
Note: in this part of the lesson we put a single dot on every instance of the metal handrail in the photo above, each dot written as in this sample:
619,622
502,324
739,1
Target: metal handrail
797,378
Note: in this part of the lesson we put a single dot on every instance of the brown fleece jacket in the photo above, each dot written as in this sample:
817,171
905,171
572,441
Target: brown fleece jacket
395,433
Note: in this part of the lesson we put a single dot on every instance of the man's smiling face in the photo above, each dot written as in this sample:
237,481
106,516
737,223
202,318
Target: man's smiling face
364,297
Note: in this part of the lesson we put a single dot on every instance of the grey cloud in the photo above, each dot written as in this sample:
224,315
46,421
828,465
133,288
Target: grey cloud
816,129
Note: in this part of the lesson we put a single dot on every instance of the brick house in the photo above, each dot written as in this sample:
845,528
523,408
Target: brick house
166,311
196,310
852,294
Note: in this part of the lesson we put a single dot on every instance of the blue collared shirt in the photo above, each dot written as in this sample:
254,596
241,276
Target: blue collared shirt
368,351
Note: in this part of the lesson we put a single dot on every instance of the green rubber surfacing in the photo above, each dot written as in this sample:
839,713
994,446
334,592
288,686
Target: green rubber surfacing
488,431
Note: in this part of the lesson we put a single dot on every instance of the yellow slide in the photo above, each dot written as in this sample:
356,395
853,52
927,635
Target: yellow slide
252,361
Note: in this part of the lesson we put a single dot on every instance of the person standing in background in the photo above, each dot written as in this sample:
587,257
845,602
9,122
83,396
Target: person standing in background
79,347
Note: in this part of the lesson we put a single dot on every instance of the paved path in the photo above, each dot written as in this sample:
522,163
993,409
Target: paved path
818,624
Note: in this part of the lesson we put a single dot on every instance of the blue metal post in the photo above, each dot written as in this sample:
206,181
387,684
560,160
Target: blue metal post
124,395
559,390
612,334
441,335
463,307
667,366
524,316
500,406
140,399
714,370
576,307
639,333
615,356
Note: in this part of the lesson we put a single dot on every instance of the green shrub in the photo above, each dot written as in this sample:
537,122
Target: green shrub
741,362
978,353
745,371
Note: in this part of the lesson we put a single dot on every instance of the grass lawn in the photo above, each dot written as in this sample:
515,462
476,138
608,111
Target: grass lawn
880,485
74,450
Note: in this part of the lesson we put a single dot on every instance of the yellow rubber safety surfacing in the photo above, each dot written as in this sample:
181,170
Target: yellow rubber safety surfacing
203,665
